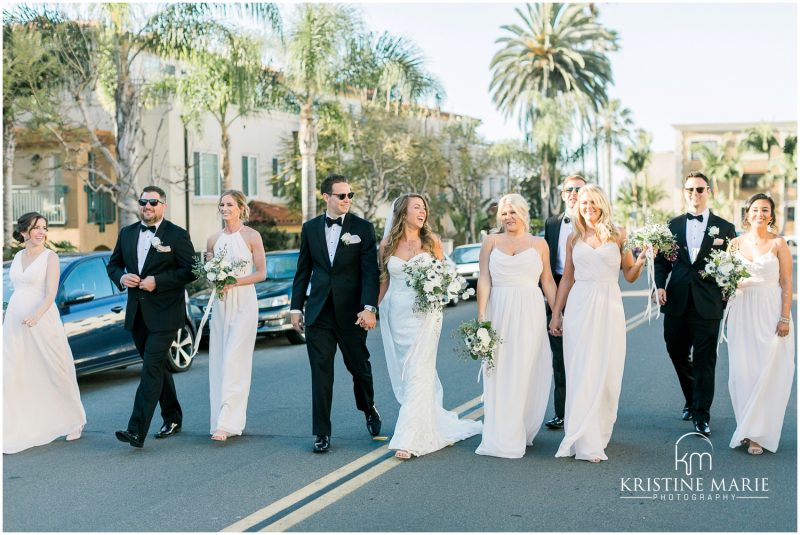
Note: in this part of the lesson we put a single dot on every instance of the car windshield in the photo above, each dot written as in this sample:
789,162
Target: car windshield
281,265
466,255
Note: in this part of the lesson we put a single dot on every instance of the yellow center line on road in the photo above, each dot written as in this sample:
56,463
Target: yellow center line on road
329,497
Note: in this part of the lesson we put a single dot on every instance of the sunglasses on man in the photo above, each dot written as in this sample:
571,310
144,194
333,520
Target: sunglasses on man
151,202
571,189
341,196
700,190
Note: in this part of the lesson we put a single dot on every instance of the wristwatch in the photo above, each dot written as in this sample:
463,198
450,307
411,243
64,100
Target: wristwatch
370,308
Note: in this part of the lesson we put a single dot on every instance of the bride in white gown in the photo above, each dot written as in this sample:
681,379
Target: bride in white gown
411,340
593,326
41,400
760,332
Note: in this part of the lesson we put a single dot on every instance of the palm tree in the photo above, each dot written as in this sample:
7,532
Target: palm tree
558,50
637,158
315,46
762,139
723,164
613,128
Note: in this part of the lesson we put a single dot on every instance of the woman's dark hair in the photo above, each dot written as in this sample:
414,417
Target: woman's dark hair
25,223
760,197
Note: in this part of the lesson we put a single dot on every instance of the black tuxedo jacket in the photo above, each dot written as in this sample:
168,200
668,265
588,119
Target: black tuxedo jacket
352,280
165,308
552,229
685,275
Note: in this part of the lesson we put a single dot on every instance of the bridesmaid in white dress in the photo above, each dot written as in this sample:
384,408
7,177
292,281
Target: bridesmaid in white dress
41,399
517,388
234,319
593,325
760,332
411,340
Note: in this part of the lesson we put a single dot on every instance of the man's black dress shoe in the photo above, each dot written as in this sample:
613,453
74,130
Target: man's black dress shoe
702,428
373,422
554,423
167,430
130,437
322,443
687,414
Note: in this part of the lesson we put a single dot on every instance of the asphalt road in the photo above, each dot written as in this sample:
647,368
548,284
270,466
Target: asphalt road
189,483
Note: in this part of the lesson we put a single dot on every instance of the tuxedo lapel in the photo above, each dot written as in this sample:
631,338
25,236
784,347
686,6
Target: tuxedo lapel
162,228
319,230
131,245
680,234
708,240
345,229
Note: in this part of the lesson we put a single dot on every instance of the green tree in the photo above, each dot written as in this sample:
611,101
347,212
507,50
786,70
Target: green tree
557,51
763,140
637,158
631,196
614,127
723,164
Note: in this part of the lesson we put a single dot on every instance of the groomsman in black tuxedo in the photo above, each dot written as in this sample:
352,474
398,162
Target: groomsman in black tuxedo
693,306
153,260
556,230
339,257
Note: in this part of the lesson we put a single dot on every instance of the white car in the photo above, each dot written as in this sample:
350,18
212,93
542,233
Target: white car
466,260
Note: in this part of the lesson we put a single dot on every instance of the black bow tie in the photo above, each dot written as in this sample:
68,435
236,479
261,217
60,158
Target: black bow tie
330,222
566,220
699,217
145,228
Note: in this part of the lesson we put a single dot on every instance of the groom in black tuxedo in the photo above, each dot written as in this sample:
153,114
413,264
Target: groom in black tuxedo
556,230
153,260
693,306
338,256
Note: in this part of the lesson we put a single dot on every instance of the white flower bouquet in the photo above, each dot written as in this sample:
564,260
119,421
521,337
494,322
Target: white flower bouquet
654,236
726,269
218,270
480,341
435,284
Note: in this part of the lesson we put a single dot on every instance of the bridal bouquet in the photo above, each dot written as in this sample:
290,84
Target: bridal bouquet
653,236
726,269
435,283
218,270
480,341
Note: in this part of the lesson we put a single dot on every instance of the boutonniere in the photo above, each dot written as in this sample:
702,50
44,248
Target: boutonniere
349,239
713,231
160,247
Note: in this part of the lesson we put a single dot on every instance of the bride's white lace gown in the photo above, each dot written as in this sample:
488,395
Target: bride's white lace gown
41,399
410,342
761,364
594,351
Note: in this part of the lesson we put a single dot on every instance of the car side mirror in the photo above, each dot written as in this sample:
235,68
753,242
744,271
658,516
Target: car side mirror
76,297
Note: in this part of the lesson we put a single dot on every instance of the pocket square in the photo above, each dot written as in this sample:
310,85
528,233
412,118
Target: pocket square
349,239
718,242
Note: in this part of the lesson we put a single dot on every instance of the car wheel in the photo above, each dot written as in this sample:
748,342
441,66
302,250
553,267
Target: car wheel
181,350
295,337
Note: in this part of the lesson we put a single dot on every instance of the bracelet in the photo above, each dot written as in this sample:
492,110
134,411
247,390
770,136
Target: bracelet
784,319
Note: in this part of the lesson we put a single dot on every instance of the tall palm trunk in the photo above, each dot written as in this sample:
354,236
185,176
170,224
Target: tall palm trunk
225,142
9,148
128,122
308,153
544,186
608,168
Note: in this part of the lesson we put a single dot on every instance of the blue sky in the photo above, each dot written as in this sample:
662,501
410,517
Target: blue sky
678,63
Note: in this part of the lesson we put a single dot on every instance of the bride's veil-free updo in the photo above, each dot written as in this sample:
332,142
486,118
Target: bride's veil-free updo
396,226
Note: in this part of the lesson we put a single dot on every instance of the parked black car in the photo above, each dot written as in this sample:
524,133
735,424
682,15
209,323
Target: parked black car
274,298
93,312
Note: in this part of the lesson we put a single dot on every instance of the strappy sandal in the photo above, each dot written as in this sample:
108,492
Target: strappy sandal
595,460
402,454
219,436
755,449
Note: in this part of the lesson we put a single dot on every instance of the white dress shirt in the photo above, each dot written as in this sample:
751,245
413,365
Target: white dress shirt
695,230
332,235
563,234
144,244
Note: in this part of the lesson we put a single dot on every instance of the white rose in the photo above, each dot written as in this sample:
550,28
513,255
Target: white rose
483,335
211,276
454,287
431,298
725,268
155,241
428,286
209,266
225,264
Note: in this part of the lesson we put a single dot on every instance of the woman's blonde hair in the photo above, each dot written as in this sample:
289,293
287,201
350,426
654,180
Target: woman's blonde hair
241,202
605,228
519,204
398,230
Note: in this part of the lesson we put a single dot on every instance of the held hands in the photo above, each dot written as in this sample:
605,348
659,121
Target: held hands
555,325
297,322
366,320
